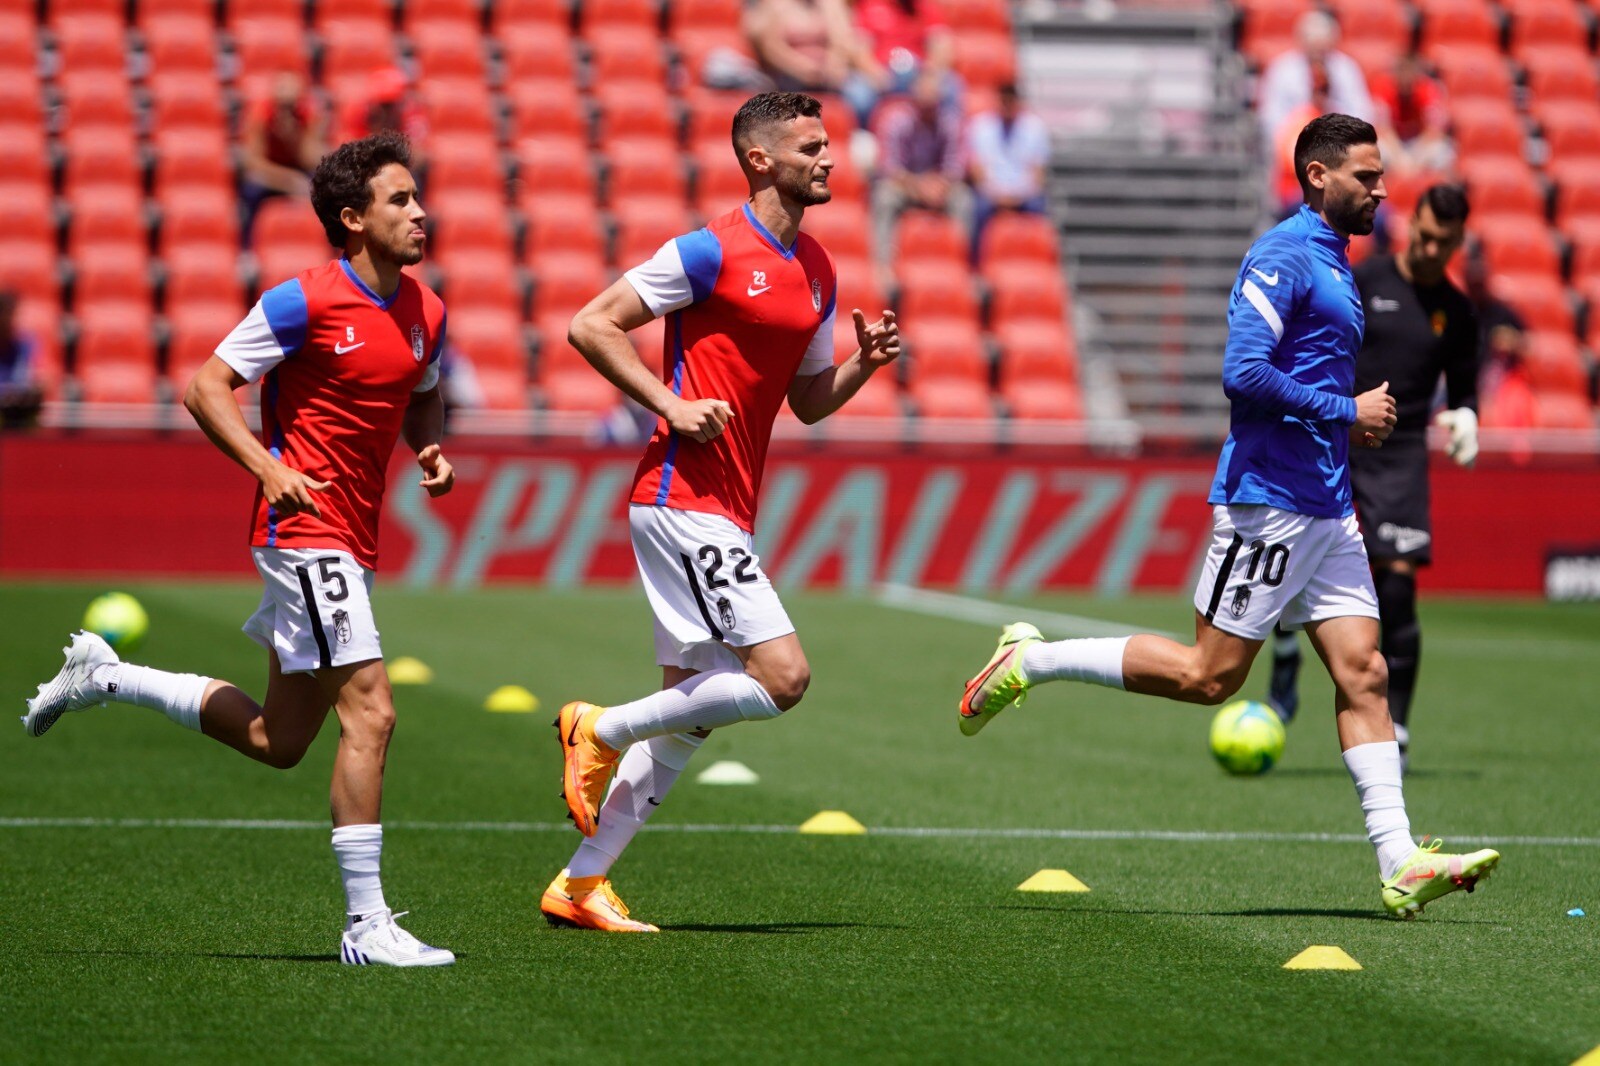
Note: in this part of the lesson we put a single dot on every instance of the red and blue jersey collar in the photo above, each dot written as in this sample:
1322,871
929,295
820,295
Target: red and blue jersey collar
766,234
365,290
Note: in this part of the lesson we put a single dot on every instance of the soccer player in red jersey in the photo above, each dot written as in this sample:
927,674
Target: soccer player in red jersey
749,302
348,356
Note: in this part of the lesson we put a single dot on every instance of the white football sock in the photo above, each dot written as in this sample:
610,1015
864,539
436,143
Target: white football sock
357,849
645,774
704,701
1097,660
178,696
1375,768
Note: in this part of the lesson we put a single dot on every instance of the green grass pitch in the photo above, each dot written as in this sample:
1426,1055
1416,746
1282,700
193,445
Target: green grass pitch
134,944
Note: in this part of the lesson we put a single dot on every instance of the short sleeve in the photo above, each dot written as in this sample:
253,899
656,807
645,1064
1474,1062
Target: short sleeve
682,272
430,377
274,329
819,353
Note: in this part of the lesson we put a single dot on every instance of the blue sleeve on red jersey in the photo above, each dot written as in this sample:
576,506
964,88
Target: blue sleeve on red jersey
438,344
701,253
285,309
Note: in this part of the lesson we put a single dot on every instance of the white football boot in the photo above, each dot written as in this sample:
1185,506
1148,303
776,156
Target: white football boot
378,940
72,689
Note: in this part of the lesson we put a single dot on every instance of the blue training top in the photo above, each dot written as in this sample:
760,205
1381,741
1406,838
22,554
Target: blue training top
1294,327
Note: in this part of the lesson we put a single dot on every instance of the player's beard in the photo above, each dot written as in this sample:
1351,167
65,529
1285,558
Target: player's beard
405,253
796,185
1350,216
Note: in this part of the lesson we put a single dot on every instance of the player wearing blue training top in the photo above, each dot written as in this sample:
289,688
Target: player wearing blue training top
1285,543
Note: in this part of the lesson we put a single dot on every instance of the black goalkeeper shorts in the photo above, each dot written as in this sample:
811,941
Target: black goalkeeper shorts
1391,491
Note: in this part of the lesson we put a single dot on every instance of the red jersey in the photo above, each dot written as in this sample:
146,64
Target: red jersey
339,366
744,315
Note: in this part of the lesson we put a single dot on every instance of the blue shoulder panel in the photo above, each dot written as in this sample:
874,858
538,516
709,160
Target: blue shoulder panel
285,308
701,253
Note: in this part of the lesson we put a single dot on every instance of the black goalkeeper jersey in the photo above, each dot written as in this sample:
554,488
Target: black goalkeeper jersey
1414,334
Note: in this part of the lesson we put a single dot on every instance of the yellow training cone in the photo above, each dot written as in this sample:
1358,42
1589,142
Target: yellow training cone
408,671
1322,957
835,822
511,699
1590,1059
1052,881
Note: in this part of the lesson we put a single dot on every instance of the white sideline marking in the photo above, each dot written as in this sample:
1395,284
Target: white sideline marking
1178,836
988,612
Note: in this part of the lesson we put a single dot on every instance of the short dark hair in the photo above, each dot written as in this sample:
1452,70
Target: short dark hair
1447,201
344,178
1327,139
766,109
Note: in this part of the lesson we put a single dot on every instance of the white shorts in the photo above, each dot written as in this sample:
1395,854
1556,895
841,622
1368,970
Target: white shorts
705,585
316,609
1266,565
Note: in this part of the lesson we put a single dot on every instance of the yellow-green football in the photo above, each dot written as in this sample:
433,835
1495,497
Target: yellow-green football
1247,737
119,619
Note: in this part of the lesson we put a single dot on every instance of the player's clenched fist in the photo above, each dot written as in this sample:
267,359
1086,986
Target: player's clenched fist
1375,417
288,491
700,420
879,342
438,476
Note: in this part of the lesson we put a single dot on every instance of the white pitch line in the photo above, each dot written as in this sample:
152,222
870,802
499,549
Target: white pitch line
989,612
1177,836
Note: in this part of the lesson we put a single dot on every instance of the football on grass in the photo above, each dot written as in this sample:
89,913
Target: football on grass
1247,737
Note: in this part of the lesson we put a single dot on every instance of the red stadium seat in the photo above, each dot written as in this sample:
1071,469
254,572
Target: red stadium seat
1584,233
111,272
537,50
96,98
474,279
90,42
719,184
1563,410
1568,129
196,328
450,50
642,229
201,281
1372,23
563,222
1021,291
187,99
470,222
463,161
1514,246
1487,127
1472,71
879,399
1036,350
42,319
27,152
352,49
1553,362
564,281
624,54
289,222
20,99
106,214
151,11
548,107
859,287
279,262
844,227
936,288
644,169
268,44
649,340
929,235
946,347
509,13
423,16
1267,27
28,267
457,105
697,44
552,165
115,356
198,216
1448,24
985,58
30,210
1539,299
705,14
378,12
1043,400
1559,72
1546,22
181,42
711,114
608,16
1503,186
192,158
1577,183
239,13
19,46
1016,236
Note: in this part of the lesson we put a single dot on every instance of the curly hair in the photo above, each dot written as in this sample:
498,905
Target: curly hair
344,178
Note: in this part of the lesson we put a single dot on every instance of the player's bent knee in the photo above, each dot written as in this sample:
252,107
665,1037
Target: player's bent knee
789,685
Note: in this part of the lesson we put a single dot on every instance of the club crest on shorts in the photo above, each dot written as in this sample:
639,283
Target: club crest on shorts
816,295
341,626
416,343
1241,601
725,612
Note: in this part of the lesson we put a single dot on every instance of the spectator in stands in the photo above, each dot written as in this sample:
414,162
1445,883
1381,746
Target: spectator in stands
802,45
1505,392
921,164
1007,152
895,42
389,104
20,395
1301,84
284,137
1413,123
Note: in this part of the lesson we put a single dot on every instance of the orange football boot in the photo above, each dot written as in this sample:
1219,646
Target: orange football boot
588,903
589,762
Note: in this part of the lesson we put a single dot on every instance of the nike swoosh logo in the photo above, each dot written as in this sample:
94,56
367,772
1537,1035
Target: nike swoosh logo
652,801
1273,280
753,291
572,735
339,349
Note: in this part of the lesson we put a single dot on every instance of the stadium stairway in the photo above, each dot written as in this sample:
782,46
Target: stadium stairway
1159,193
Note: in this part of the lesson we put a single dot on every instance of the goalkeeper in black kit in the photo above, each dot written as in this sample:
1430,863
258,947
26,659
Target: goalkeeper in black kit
1419,327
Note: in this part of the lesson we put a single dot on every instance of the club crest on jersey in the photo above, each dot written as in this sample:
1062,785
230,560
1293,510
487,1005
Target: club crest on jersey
1439,321
341,626
1241,601
816,295
725,612
416,343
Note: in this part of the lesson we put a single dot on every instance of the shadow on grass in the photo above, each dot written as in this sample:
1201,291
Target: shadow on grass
1254,912
151,954
776,928
1339,771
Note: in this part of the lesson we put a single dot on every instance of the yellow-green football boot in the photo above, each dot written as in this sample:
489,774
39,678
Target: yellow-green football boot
1000,683
1431,873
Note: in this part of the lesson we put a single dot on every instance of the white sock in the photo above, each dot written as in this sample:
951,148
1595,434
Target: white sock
1097,660
704,701
177,696
1375,768
357,849
645,774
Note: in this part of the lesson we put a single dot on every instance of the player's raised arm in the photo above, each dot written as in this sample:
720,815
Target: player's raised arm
816,394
